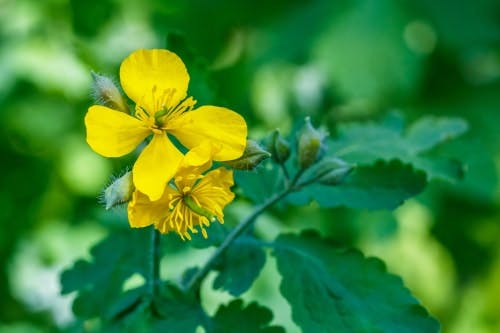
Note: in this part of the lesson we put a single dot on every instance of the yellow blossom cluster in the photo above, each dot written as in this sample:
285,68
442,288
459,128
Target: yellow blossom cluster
171,190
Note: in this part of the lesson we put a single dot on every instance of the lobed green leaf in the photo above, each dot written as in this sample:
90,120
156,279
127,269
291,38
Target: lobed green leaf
384,185
365,143
99,282
332,290
429,131
234,317
239,266
392,164
178,312
261,183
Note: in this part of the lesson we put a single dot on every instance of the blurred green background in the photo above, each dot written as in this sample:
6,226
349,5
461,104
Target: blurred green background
273,62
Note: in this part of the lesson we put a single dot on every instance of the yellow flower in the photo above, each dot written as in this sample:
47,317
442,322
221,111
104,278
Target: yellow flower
192,201
157,81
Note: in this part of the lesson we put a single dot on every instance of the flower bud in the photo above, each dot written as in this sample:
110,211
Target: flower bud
279,148
310,146
119,191
332,171
251,158
106,93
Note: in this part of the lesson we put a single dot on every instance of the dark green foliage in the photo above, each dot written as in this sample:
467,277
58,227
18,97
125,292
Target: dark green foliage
216,234
235,317
332,289
100,280
344,64
259,184
383,185
135,319
239,266
127,303
364,143
177,312
392,164
430,131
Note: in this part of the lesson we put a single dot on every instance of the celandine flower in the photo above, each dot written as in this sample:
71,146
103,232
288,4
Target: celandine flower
157,81
192,202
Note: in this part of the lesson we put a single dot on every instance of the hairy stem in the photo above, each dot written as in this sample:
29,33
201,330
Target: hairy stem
195,282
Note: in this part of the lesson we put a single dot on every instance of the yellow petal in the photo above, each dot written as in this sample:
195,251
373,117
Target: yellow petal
213,192
194,163
142,212
200,156
155,166
145,71
224,129
220,178
112,133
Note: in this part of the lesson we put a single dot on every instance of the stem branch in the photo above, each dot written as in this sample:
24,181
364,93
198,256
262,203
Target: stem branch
286,175
296,178
195,281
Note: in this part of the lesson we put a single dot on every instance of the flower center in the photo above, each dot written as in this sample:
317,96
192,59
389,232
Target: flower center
169,112
164,106
185,196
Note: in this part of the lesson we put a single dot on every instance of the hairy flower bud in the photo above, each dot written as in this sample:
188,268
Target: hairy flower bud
106,93
279,147
332,171
310,146
253,155
119,191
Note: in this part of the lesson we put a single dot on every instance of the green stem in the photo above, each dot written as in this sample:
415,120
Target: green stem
195,282
297,177
286,175
154,269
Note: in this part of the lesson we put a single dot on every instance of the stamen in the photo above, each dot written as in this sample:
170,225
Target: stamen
197,209
141,113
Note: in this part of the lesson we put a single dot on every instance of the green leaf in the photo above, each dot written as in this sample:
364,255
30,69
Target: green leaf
99,281
431,131
332,289
365,143
239,266
234,317
137,319
392,165
181,312
440,168
384,185
216,235
261,183
127,303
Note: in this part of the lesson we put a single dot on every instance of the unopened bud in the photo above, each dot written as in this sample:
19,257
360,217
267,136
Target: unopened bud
279,148
332,171
120,191
106,93
253,155
310,145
